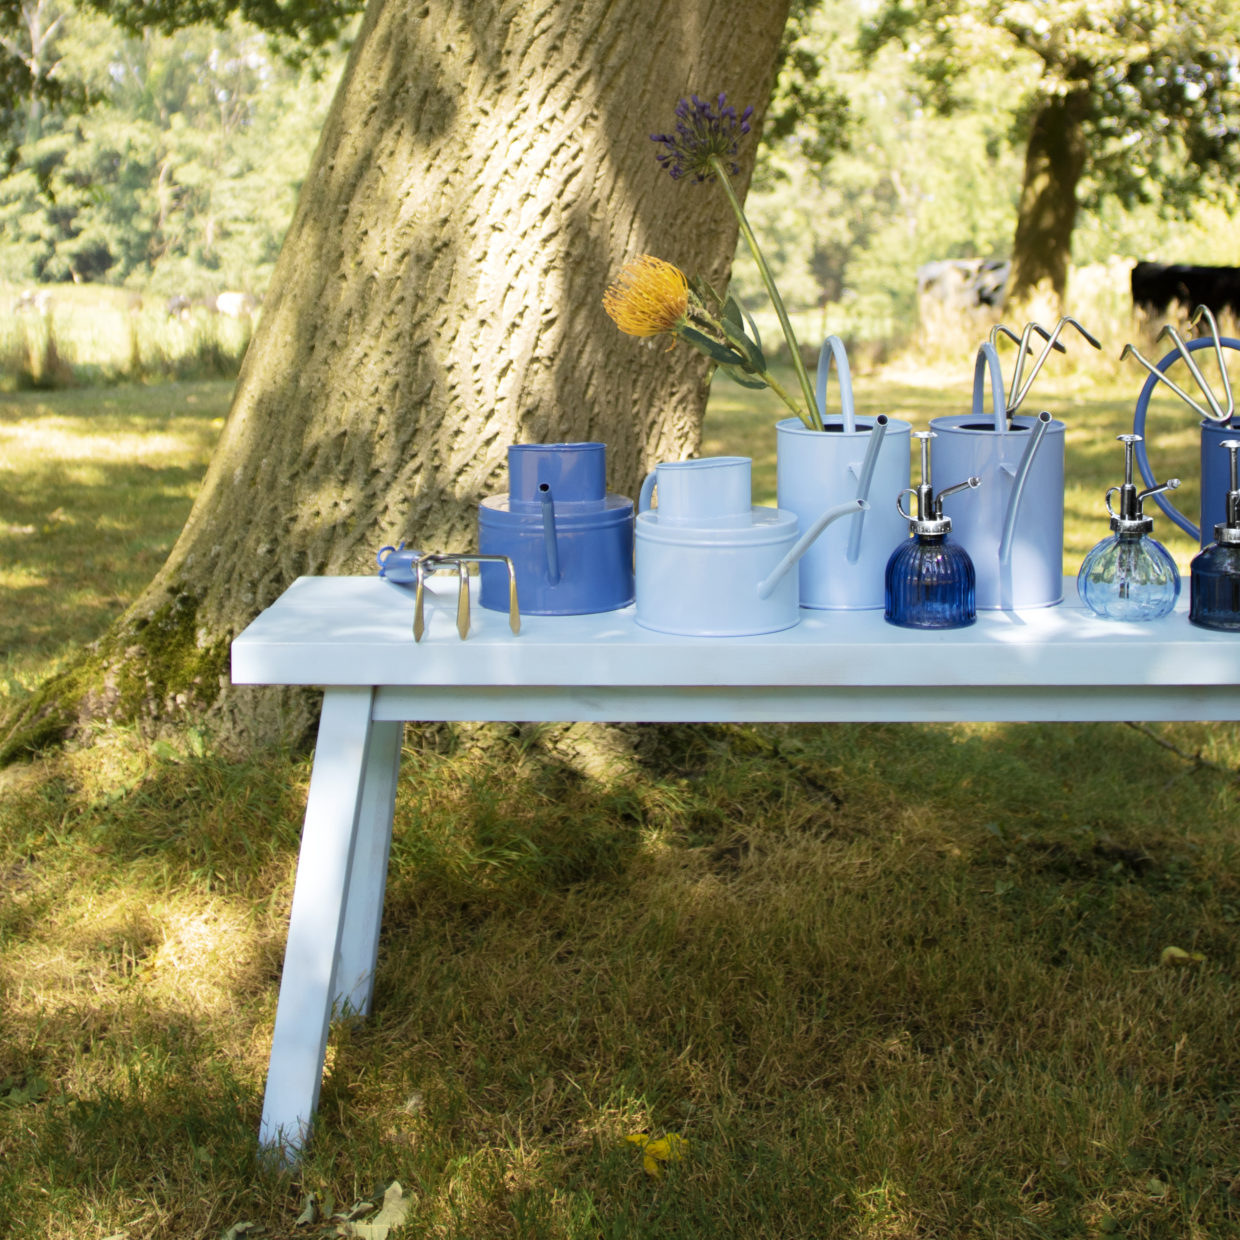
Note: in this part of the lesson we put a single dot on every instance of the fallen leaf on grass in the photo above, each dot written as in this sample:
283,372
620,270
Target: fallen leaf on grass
392,1214
670,1148
238,1230
1178,956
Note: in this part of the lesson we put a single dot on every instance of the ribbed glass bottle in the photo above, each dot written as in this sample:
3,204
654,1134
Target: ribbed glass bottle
1129,577
930,584
1214,588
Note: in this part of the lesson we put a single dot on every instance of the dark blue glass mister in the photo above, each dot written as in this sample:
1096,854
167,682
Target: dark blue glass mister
1214,575
930,582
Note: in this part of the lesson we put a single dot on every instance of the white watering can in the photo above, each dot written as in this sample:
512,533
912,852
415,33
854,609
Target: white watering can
711,564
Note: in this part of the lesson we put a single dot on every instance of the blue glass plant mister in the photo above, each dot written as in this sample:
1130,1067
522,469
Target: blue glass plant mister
930,582
1214,575
1130,576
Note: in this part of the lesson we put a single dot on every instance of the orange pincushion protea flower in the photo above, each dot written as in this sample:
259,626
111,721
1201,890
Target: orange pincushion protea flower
648,298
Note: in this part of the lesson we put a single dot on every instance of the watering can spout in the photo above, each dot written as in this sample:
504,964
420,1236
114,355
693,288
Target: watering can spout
1037,434
799,548
547,500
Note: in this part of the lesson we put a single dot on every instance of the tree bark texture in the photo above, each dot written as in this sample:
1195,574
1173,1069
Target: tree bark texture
483,173
1054,161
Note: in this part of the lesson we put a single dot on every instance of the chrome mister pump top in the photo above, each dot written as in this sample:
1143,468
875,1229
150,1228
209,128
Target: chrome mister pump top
1131,520
1228,531
930,582
1130,575
929,519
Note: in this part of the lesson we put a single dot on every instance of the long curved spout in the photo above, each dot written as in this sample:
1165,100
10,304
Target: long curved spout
802,544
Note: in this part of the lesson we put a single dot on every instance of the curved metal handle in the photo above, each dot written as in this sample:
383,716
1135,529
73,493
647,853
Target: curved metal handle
646,494
1052,343
988,356
1158,375
833,348
908,516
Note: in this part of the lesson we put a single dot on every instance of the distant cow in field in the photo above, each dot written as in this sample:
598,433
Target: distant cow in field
1156,287
230,305
233,305
961,283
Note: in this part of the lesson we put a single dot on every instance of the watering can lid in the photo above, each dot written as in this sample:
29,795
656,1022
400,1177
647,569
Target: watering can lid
762,525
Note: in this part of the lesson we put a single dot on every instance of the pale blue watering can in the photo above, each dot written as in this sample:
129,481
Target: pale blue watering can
711,564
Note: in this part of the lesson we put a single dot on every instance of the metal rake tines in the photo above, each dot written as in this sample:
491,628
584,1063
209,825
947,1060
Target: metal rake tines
427,564
1016,392
1217,411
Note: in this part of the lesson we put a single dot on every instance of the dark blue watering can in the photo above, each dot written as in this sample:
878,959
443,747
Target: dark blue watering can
570,543
1216,426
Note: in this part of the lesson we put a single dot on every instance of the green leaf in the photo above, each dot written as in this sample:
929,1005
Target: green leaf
712,348
743,377
755,362
705,291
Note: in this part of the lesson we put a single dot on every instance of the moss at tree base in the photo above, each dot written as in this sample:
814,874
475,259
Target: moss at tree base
150,670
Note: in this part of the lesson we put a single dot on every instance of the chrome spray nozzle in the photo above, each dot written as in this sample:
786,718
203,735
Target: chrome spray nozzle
929,518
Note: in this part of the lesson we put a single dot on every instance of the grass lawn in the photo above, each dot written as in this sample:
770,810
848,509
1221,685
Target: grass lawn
887,982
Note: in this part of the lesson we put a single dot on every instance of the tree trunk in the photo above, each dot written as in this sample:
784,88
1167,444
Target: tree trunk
1054,161
483,173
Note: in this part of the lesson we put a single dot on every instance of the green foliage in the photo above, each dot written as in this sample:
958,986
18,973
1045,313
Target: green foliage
182,175
1163,121
809,112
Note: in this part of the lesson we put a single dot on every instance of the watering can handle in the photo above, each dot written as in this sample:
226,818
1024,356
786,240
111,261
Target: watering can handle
988,355
833,348
646,494
1138,428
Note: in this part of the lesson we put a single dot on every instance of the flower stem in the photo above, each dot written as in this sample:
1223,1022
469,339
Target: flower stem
700,313
812,419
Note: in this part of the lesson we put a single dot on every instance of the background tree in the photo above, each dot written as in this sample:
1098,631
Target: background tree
484,171
1138,98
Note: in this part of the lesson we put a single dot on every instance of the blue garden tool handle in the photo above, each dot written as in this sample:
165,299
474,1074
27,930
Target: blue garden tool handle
1138,428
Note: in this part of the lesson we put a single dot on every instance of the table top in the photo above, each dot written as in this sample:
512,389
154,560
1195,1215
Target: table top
328,631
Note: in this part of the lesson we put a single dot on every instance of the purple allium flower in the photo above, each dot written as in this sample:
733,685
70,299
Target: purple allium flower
702,133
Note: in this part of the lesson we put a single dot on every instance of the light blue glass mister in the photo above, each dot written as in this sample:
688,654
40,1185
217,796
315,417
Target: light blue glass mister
1130,575
930,581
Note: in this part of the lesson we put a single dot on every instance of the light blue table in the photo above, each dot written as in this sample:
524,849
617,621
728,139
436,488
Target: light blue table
352,636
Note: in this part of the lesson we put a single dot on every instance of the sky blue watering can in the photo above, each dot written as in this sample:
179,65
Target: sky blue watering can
851,458
1012,525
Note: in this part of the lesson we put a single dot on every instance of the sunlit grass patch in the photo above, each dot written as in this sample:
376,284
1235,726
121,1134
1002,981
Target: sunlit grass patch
882,980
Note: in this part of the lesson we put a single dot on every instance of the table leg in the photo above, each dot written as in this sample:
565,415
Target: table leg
359,945
349,779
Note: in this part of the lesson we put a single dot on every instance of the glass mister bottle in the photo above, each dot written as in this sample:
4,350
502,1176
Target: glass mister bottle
1130,576
1214,575
930,582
